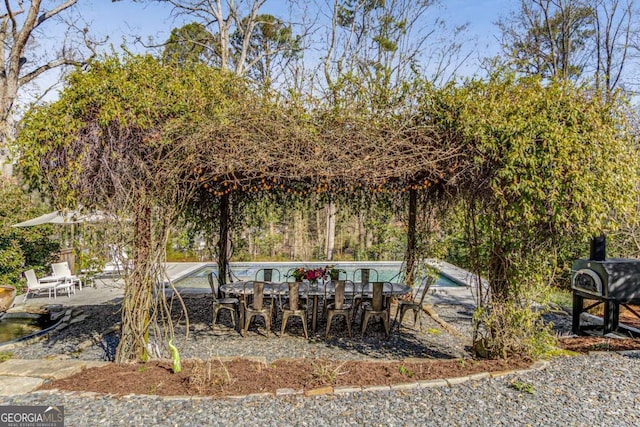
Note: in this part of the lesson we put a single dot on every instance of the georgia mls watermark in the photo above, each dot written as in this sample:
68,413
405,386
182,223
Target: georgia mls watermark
31,416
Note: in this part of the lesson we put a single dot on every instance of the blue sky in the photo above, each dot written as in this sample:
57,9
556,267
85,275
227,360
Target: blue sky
126,18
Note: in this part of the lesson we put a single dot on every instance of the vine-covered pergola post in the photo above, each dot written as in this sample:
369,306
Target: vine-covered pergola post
134,335
119,140
224,244
553,165
410,255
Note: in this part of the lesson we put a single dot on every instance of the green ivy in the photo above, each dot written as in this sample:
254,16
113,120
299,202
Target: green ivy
553,165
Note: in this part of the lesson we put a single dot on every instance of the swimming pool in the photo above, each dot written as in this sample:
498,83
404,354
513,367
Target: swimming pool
387,270
19,326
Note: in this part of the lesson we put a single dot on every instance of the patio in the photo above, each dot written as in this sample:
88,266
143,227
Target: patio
100,305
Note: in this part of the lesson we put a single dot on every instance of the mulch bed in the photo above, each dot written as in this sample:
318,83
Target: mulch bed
219,378
587,344
239,377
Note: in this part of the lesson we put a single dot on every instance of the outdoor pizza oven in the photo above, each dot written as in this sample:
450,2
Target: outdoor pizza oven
610,282
614,278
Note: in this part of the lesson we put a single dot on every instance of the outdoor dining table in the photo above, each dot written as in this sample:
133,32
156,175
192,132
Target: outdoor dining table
314,291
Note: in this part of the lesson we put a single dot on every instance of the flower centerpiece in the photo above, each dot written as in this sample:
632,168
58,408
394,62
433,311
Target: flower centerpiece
299,274
311,274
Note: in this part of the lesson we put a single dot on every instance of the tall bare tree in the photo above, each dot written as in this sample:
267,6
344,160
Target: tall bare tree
22,26
384,44
549,38
585,40
613,21
245,41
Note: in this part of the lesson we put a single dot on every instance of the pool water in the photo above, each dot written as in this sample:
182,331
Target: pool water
387,271
12,327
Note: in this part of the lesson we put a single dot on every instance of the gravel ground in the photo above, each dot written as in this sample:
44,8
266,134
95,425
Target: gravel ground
429,341
599,389
594,390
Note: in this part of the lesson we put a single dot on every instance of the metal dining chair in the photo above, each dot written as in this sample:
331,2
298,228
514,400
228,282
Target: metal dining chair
294,307
271,275
341,305
378,308
335,274
229,304
415,304
257,307
364,275
268,275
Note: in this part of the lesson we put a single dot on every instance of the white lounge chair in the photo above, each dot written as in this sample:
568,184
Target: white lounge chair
62,272
34,286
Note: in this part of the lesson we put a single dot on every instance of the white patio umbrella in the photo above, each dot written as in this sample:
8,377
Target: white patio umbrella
63,217
66,217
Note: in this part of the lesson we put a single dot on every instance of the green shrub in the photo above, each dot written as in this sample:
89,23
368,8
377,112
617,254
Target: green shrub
509,329
22,248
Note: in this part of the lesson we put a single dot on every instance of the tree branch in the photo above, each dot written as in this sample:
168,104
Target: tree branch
46,67
55,11
11,16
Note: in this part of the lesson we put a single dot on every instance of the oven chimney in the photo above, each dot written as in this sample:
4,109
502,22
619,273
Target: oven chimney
598,251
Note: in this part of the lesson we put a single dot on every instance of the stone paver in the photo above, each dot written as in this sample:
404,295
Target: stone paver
47,369
22,376
10,386
319,391
432,383
479,376
376,388
456,380
346,389
405,386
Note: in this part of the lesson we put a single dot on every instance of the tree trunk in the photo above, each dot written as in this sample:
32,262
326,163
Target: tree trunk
319,228
272,233
362,240
331,230
224,244
138,293
299,241
250,245
7,134
498,272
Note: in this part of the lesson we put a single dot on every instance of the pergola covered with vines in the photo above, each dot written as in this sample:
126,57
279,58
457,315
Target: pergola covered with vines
160,144
155,144
345,160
